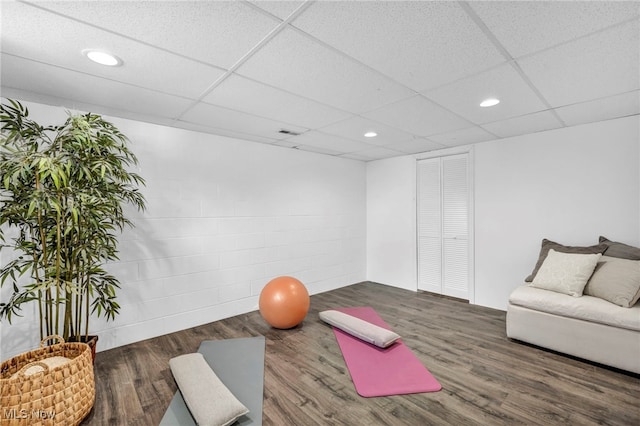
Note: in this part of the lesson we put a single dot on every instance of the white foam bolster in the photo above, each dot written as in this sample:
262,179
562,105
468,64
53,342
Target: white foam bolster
208,399
361,329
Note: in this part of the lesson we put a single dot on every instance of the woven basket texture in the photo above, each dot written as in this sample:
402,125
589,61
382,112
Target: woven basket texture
63,395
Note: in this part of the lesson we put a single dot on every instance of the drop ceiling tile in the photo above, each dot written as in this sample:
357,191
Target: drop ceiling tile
419,116
285,143
589,68
73,87
222,118
317,150
415,146
298,65
36,102
355,127
246,95
601,109
532,123
523,27
65,105
32,33
463,137
356,157
129,115
375,153
331,142
412,42
281,9
215,32
504,83
222,132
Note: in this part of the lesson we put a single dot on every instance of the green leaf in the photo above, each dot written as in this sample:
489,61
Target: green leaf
54,176
32,207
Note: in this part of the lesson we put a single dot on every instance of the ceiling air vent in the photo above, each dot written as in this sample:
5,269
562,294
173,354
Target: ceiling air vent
288,132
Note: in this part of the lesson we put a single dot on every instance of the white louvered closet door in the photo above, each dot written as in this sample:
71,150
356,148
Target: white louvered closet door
429,226
443,226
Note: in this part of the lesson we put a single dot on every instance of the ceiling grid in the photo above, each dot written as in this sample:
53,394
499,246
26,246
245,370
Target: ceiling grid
414,72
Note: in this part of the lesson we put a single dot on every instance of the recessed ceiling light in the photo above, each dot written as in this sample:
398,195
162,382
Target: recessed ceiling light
102,58
489,102
370,135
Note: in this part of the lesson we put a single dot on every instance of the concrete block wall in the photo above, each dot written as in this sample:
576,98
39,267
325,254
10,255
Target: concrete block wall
224,217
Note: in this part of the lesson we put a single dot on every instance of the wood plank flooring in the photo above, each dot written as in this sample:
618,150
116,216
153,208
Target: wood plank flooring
487,379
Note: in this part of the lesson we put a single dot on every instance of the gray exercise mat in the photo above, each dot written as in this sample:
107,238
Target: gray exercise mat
239,363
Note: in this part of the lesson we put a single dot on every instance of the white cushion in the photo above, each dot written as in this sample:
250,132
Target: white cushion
587,308
565,273
208,399
361,329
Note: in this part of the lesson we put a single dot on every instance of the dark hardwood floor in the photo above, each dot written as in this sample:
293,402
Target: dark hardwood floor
486,378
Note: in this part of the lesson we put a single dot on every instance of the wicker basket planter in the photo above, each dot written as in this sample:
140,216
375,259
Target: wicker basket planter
61,395
91,340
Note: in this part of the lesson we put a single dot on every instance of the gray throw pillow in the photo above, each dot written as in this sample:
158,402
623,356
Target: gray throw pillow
548,245
361,329
620,250
616,280
208,399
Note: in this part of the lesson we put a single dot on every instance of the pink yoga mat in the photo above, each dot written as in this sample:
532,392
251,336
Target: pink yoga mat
382,372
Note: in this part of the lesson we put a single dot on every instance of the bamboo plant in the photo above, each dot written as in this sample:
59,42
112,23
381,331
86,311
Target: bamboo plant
62,193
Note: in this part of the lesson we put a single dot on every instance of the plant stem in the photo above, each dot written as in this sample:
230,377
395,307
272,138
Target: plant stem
86,321
58,260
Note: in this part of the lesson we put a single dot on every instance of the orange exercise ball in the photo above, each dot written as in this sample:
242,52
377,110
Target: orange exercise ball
284,302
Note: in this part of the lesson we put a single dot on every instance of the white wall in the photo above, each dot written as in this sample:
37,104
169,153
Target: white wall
391,219
570,185
224,217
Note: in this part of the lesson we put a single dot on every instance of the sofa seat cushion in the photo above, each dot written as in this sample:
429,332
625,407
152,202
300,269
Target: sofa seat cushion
585,308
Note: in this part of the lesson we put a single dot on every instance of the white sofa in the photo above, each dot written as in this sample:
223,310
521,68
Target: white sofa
599,321
586,327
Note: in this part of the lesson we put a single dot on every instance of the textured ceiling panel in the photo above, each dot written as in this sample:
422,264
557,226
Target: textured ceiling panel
216,32
29,32
35,99
285,143
464,96
401,39
223,118
601,109
318,150
242,94
71,87
325,141
359,157
300,66
524,27
537,122
589,68
281,9
355,128
419,116
463,137
224,132
374,154
416,145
